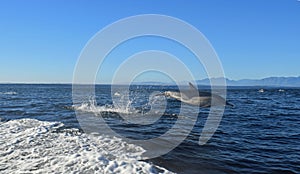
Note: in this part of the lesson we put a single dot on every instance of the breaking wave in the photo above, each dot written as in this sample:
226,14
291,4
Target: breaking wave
8,93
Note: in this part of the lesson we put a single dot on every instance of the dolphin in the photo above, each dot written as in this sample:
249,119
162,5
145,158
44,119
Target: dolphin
196,98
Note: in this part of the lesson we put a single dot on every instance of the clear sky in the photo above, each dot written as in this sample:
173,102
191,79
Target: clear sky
40,41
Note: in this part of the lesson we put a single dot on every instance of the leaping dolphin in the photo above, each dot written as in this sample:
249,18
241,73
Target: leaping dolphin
194,97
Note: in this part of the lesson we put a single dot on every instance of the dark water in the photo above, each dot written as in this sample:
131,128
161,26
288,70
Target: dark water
261,134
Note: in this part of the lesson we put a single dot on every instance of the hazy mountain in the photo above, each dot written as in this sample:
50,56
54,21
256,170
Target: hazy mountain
270,81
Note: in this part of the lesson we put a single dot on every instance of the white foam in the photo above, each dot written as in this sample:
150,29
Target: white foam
117,94
32,146
123,105
9,93
91,106
87,107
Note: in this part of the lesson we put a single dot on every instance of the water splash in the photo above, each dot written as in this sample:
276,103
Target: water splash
126,103
91,106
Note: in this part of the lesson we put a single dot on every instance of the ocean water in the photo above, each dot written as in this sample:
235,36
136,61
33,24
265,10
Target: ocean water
40,132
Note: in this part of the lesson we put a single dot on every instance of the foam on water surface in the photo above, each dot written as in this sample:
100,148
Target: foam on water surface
8,93
32,146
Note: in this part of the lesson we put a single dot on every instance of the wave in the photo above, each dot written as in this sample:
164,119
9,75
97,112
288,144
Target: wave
32,146
8,93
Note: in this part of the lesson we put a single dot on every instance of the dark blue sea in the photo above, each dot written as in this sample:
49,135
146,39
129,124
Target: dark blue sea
40,132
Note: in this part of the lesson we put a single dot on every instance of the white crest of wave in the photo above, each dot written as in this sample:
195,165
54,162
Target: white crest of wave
117,94
32,146
9,93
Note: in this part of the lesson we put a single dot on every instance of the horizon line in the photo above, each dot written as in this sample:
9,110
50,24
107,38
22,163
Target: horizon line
122,83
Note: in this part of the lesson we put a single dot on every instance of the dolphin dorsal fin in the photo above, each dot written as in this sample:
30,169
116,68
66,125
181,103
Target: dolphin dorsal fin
192,87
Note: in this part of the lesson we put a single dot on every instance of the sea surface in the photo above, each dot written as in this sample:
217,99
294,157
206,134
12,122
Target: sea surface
40,132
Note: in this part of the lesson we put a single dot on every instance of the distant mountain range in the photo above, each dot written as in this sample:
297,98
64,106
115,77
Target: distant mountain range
270,81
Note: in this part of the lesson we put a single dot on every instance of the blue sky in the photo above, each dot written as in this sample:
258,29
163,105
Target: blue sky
41,40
